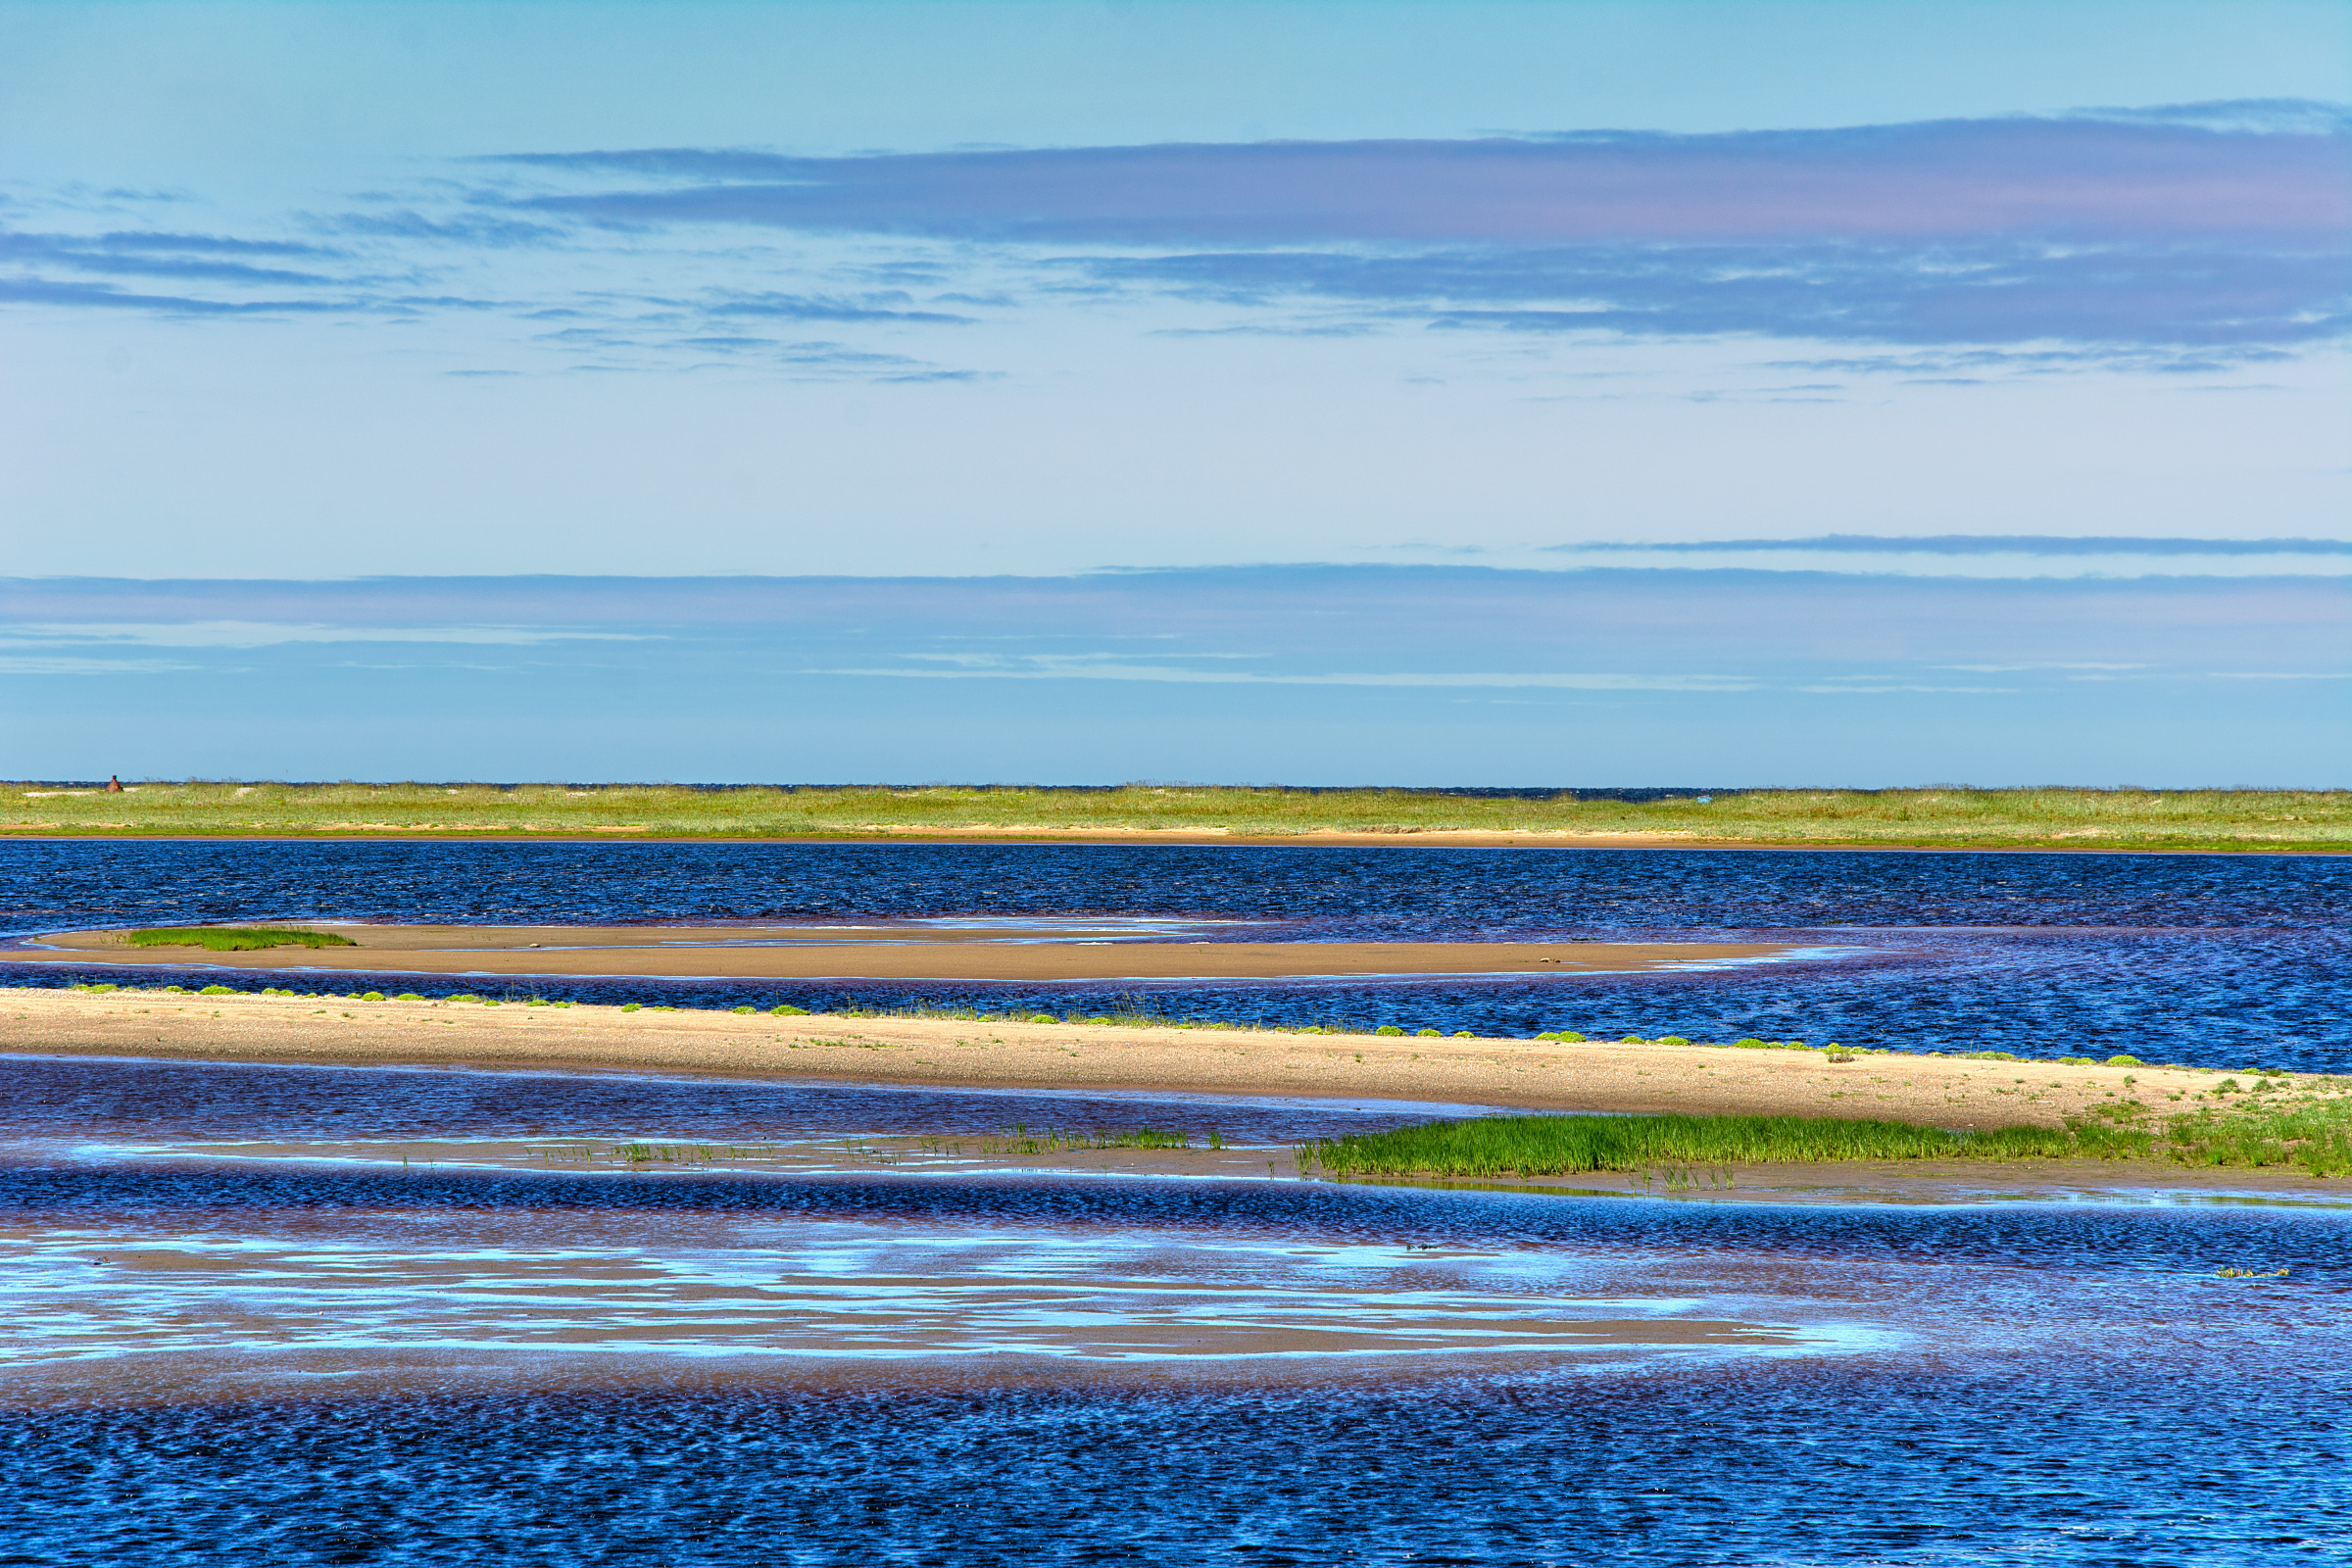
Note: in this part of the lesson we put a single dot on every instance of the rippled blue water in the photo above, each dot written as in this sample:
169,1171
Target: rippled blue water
1785,1464
149,1100
2221,960
287,1359
2056,1384
304,1361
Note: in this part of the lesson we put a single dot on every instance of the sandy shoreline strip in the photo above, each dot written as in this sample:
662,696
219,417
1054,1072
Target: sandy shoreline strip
883,951
943,1052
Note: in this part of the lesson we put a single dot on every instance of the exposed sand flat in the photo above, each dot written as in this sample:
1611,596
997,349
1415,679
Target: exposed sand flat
883,951
1529,1074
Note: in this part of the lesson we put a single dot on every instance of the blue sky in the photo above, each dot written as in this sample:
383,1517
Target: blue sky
1436,675
1617,301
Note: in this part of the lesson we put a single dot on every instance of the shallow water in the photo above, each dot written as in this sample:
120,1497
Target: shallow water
2220,960
346,1315
215,1348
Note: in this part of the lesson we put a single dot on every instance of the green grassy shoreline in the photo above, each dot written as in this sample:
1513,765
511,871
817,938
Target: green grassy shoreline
2309,1131
2268,822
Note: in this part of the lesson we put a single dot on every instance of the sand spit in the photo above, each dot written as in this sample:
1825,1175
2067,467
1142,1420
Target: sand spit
1527,1074
884,952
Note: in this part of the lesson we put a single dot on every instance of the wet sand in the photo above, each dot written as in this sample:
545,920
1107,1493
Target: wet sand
883,951
1521,1074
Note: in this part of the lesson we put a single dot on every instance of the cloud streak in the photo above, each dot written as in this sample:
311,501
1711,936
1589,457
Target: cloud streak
193,257
2221,228
2189,240
1943,293
276,634
2075,180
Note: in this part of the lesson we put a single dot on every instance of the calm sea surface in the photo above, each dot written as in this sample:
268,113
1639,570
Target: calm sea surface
295,1315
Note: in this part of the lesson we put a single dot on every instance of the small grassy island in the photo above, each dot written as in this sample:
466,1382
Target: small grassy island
1955,819
233,938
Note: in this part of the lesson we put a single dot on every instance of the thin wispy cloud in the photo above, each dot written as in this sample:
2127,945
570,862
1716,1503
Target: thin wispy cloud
1353,670
1957,544
196,258
1982,292
107,297
462,230
893,307
247,634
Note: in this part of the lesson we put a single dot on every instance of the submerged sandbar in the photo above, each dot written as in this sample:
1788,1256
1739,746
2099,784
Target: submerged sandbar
886,950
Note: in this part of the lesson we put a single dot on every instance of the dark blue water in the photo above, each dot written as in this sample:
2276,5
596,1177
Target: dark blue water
1783,1464
2219,960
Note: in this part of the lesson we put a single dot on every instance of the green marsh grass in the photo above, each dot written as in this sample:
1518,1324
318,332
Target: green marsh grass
2311,1131
234,938
1564,1145
1955,817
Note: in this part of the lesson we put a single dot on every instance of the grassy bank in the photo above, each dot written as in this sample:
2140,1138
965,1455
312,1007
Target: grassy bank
2309,1131
1953,819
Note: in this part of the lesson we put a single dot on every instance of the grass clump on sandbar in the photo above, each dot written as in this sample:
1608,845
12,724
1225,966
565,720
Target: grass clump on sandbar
2312,1131
1566,1146
234,938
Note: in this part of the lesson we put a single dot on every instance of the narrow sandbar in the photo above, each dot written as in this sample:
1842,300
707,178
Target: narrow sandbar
1953,1092
884,952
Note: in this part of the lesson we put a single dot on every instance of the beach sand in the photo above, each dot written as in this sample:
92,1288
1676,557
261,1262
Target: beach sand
1519,1074
882,952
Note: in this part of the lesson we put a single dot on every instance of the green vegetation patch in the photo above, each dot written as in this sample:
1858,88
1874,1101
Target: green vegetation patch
1567,1146
234,938
2312,1131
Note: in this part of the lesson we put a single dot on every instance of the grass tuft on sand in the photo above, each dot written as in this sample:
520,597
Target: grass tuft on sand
1952,818
234,938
